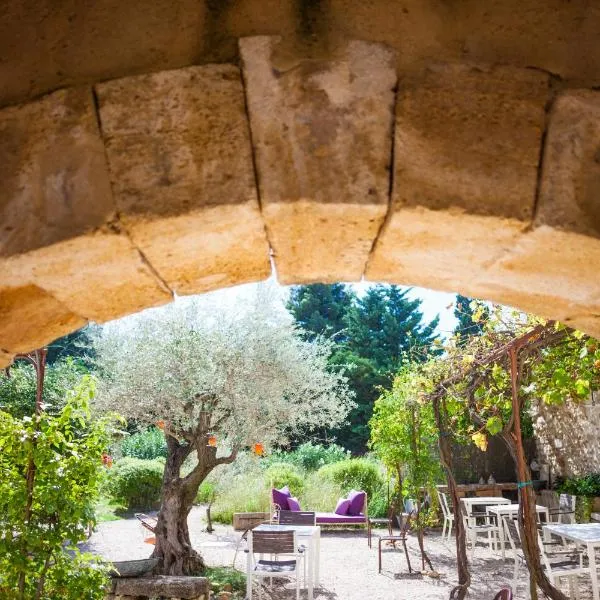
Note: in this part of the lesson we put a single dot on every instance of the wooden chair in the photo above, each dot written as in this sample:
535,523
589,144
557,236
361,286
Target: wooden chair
447,513
148,527
275,544
504,594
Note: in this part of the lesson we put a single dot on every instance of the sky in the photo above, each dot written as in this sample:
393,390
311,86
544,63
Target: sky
433,303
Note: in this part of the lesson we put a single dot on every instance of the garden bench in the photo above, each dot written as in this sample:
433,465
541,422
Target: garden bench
163,586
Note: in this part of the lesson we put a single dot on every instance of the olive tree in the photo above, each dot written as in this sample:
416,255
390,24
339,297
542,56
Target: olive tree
201,371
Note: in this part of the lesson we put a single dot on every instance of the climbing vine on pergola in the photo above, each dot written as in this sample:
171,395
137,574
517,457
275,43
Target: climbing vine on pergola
481,388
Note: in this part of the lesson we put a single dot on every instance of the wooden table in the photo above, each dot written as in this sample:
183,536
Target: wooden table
311,536
481,489
585,534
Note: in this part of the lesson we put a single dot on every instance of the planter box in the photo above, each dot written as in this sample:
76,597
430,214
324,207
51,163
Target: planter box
245,521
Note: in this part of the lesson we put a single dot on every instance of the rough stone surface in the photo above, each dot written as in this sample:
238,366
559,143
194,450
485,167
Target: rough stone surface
553,270
46,45
5,359
321,131
31,318
171,587
100,277
180,160
54,179
467,146
570,185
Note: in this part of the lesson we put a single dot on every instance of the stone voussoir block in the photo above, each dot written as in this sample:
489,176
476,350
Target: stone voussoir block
31,318
322,136
554,267
6,359
467,146
58,233
180,160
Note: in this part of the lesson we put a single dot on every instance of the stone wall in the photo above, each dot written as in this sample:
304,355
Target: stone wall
567,437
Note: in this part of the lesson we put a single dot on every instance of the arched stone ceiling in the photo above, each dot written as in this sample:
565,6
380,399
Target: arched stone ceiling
452,157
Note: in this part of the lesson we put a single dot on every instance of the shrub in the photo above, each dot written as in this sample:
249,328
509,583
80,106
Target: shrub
245,493
312,457
148,444
355,473
66,449
587,485
280,474
136,483
320,494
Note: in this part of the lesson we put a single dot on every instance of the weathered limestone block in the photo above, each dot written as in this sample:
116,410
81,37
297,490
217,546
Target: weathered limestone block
554,269
163,586
322,133
54,180
30,318
57,227
467,147
179,154
5,359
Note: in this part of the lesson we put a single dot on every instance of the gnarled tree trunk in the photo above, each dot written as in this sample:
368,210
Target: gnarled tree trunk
173,545
464,577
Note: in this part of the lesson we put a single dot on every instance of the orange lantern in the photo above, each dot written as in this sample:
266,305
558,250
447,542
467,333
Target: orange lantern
258,449
212,440
160,424
107,460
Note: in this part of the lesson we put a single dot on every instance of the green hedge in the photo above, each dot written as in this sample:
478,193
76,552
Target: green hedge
148,444
136,483
280,474
355,473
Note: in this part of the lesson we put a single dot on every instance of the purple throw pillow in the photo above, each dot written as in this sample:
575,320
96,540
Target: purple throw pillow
280,498
342,506
357,502
293,504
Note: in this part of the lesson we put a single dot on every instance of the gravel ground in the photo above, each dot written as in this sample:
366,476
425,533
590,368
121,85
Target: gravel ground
348,566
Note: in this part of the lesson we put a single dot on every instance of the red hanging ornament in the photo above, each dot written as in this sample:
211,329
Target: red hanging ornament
212,441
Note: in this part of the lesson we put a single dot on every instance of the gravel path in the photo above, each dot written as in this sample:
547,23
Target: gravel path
348,566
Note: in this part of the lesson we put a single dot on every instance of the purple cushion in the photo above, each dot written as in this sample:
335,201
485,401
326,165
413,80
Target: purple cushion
333,519
342,507
280,498
357,502
294,504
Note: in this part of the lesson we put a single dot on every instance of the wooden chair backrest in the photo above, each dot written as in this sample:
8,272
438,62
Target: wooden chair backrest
147,522
504,594
511,531
272,542
294,517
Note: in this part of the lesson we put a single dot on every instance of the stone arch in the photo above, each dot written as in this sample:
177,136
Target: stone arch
337,160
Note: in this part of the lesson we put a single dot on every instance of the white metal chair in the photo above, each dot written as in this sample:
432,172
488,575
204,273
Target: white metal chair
561,564
275,544
447,513
481,524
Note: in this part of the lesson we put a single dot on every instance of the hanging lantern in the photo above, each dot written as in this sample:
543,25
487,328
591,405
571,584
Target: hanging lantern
160,424
258,449
212,440
107,460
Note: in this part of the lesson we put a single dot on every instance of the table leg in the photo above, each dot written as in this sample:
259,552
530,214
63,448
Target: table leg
248,576
317,557
311,567
593,571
